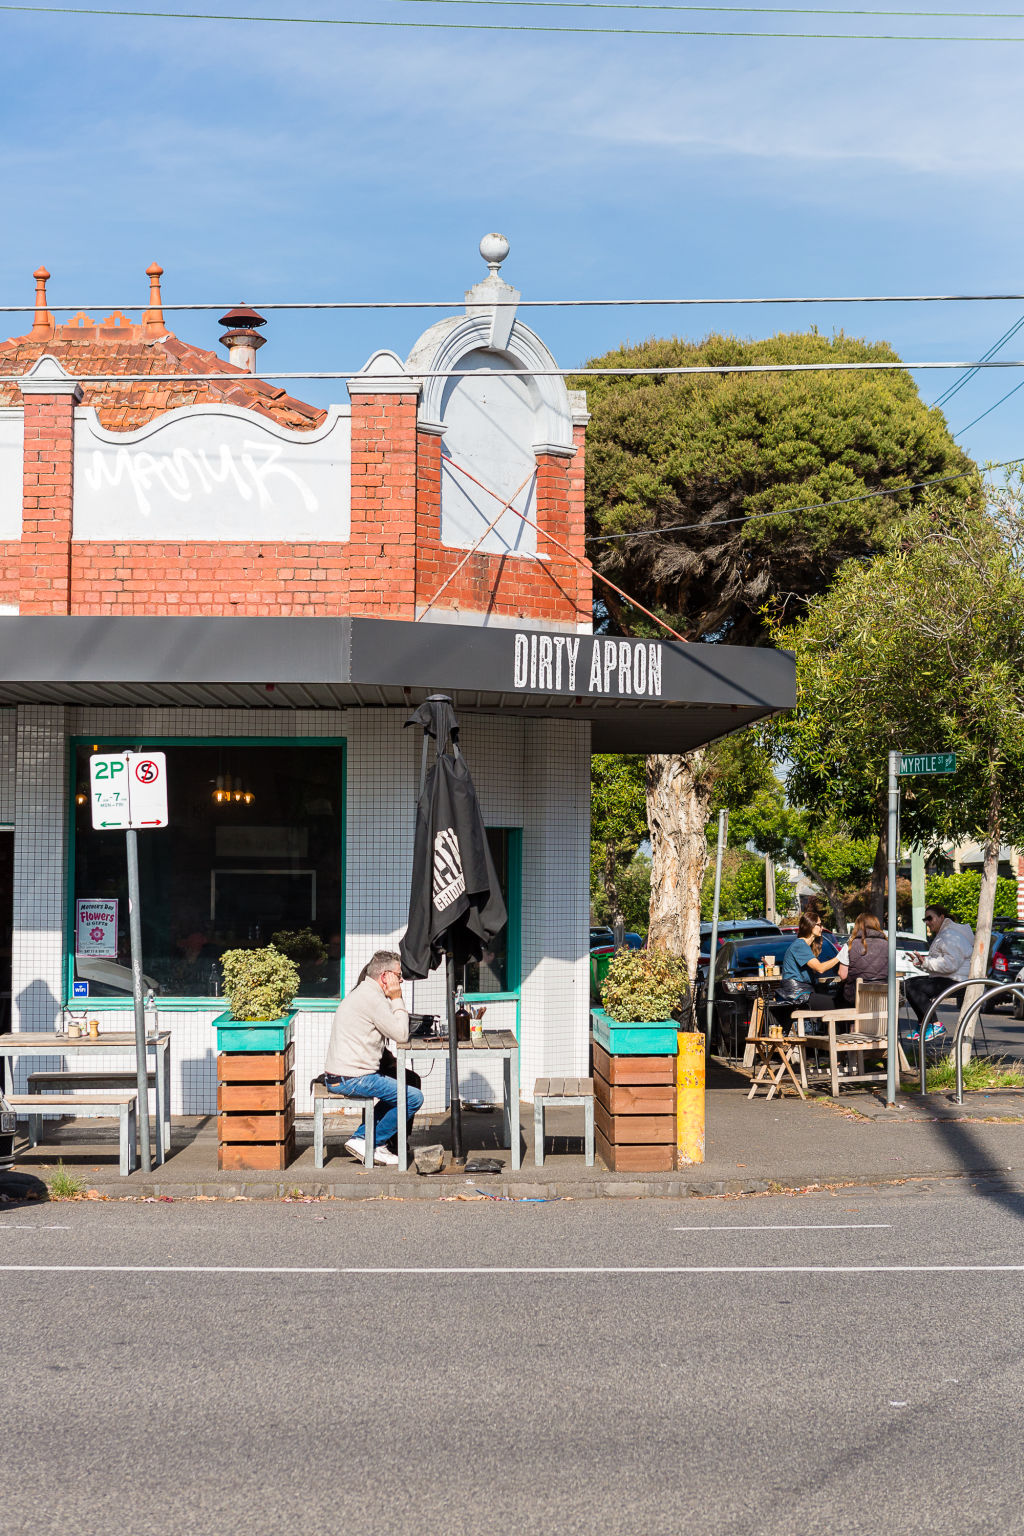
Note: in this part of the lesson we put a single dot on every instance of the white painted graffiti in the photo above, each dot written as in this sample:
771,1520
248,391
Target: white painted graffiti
254,471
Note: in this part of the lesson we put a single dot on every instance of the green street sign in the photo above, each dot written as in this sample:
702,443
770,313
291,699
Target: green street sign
927,762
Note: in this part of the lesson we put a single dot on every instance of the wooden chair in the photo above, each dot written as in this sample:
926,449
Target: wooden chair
854,1033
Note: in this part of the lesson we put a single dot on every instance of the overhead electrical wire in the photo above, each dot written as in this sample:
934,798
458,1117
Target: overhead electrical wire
996,346
387,304
819,506
479,26
418,375
991,408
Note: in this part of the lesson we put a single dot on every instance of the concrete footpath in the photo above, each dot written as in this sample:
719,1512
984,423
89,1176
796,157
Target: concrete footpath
753,1146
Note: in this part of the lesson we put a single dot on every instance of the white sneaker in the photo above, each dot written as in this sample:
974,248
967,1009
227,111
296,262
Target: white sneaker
386,1158
357,1146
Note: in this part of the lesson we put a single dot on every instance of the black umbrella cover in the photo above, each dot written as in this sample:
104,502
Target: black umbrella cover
455,896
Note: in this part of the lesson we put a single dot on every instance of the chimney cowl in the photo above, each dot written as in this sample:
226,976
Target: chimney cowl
242,337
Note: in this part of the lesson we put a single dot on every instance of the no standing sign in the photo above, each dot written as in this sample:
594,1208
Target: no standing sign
128,790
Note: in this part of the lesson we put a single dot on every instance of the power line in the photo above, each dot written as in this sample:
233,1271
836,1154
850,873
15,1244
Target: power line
703,369
991,408
819,506
993,349
476,26
459,303
740,10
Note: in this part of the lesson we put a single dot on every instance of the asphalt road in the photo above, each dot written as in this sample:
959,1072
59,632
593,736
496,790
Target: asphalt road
843,1363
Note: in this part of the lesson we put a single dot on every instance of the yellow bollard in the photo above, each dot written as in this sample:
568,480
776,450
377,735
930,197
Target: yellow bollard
690,1098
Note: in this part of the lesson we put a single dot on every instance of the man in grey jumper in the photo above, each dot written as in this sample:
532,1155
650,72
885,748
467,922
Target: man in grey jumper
371,1014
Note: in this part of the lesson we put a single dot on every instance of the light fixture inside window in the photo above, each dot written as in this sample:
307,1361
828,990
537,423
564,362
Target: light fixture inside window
231,791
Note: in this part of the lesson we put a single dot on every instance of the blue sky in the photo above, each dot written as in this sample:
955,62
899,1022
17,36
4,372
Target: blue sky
269,162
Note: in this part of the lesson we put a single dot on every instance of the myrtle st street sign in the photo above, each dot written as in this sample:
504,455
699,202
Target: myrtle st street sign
128,790
927,762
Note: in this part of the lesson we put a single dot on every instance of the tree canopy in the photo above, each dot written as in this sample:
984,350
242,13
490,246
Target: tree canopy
701,458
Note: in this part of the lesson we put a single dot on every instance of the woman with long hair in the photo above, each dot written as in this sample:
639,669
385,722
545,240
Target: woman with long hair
802,962
865,957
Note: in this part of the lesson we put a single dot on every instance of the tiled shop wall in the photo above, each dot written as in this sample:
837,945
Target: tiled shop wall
533,774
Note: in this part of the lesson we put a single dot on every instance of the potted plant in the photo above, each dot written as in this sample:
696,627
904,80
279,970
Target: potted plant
260,986
643,994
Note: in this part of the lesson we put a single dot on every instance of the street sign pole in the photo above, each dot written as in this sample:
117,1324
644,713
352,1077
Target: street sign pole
135,933
723,825
894,991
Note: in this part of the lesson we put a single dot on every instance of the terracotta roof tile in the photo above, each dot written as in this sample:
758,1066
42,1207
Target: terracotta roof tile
116,345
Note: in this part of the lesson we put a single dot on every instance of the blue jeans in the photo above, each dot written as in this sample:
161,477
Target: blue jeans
385,1091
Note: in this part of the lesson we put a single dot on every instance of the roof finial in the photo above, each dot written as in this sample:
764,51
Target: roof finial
42,324
494,249
153,319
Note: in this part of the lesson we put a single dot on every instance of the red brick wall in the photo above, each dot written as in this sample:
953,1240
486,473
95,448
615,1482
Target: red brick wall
287,580
10,572
556,590
382,543
393,562
47,493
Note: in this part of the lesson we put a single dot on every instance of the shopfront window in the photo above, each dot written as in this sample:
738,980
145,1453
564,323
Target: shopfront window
252,855
498,968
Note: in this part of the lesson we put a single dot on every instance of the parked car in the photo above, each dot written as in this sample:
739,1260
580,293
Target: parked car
734,929
7,1127
1005,963
599,936
736,961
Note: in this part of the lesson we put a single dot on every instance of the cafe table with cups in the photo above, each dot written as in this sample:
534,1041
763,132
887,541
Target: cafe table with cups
82,1061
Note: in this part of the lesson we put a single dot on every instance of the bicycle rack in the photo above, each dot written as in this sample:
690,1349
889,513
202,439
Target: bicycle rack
990,989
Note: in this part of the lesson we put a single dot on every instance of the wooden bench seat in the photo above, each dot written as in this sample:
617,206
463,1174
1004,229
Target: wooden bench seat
557,1092
324,1102
37,1106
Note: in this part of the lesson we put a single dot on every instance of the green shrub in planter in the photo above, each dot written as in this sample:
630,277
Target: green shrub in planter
259,984
644,986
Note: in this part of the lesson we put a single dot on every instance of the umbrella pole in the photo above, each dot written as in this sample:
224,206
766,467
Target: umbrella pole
453,1058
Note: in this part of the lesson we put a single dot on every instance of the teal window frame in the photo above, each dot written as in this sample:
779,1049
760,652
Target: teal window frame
126,742
515,926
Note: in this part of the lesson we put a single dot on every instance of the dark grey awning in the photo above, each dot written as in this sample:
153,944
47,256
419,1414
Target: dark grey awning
640,695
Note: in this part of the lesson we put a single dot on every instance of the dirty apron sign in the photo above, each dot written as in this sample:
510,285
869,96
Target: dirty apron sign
587,665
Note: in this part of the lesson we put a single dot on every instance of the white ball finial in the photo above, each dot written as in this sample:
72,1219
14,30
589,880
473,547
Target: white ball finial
494,249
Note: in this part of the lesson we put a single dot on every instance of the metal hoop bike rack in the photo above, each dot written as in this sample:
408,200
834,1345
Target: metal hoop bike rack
990,990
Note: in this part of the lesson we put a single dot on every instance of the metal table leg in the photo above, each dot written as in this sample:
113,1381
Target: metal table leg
403,1113
512,1092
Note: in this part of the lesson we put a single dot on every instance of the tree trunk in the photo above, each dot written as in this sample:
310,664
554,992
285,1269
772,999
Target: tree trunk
678,796
986,908
879,871
832,892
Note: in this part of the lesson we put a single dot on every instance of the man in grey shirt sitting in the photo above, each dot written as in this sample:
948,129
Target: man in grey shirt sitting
371,1014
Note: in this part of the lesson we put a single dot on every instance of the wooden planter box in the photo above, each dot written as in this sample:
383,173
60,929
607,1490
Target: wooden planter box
635,1111
256,1109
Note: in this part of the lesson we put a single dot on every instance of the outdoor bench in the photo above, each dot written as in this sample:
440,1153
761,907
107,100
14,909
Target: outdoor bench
37,1106
335,1103
556,1092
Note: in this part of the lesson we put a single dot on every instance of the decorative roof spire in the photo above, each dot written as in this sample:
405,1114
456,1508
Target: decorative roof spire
153,319
42,324
493,296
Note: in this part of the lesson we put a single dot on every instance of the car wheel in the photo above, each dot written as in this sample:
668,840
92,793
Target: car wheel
1017,1006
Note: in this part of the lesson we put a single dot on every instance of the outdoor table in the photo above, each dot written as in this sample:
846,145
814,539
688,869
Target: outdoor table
31,1042
767,1046
495,1042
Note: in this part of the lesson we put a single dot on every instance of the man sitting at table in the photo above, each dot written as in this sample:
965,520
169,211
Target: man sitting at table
948,960
372,1013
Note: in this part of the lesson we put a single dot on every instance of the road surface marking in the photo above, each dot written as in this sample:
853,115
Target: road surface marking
524,1269
841,1226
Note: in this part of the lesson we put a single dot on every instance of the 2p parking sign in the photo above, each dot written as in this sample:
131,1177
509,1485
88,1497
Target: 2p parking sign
128,790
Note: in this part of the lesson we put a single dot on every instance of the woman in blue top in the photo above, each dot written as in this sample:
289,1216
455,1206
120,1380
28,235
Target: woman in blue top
801,962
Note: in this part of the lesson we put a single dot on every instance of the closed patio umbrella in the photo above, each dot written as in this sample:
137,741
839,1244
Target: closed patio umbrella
455,901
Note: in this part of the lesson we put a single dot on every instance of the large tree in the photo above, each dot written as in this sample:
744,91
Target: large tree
921,650
688,466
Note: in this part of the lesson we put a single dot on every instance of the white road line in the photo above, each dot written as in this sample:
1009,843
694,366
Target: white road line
524,1269
839,1226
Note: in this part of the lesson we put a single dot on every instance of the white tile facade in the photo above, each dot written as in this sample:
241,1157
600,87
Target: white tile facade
529,774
